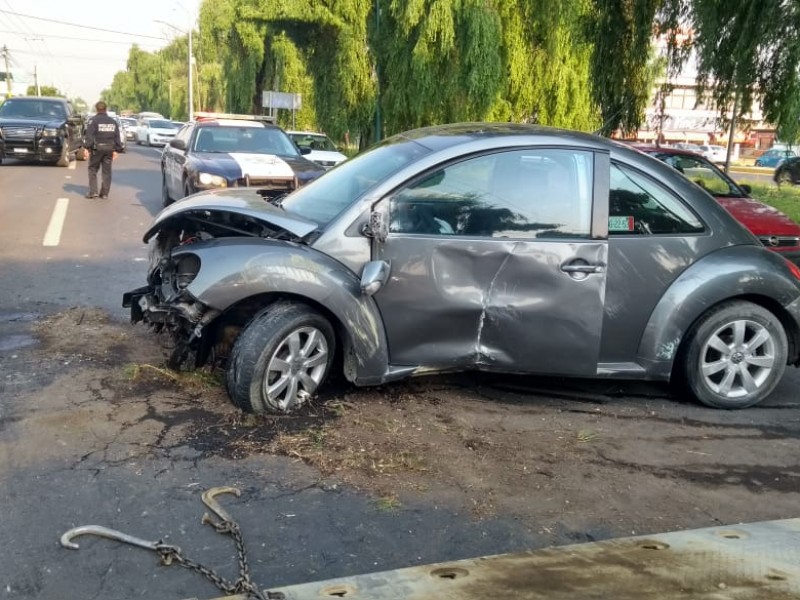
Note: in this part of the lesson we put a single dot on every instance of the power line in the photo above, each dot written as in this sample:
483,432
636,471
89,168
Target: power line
80,39
72,55
141,35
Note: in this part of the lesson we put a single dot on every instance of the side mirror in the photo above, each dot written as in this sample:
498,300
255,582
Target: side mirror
305,150
178,144
745,188
374,276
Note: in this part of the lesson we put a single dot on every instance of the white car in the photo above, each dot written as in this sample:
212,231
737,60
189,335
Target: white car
323,151
716,154
156,132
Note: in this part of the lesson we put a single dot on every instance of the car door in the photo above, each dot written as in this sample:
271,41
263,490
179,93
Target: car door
74,126
498,262
174,159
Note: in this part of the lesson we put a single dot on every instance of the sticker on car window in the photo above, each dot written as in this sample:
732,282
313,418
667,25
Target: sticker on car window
620,223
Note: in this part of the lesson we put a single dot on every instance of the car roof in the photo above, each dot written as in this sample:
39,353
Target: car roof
294,132
233,123
440,137
664,149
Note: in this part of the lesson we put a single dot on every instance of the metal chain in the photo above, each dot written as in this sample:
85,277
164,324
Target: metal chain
171,554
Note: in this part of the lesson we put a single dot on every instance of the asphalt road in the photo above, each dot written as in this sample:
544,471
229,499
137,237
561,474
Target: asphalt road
297,528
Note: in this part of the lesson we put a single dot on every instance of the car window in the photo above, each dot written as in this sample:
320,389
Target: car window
326,197
701,172
185,133
247,139
639,206
313,142
32,109
518,194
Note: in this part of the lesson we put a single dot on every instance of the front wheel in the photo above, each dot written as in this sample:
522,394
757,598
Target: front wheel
280,359
735,357
63,160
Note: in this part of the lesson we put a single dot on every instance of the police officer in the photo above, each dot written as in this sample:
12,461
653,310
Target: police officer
103,140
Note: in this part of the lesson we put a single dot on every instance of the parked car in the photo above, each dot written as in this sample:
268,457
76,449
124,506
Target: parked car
788,172
686,146
774,157
41,129
775,229
322,150
129,127
716,154
214,153
156,132
494,247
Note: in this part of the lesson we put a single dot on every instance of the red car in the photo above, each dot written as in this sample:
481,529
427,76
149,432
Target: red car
775,230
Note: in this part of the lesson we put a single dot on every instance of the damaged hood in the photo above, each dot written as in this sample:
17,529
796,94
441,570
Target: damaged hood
238,201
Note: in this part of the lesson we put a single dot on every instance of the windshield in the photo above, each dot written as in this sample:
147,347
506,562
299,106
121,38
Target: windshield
32,109
313,142
246,139
158,124
703,173
326,197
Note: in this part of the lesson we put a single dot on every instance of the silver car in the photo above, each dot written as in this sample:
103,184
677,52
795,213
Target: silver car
493,247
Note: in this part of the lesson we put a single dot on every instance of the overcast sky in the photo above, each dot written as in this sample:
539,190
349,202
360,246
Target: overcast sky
83,67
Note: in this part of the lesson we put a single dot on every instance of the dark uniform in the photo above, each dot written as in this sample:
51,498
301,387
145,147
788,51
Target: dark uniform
102,139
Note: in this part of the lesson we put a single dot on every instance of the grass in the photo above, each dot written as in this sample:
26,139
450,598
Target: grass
194,381
785,198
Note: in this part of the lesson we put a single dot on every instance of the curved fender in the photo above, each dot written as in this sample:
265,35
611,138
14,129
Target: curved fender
726,273
233,269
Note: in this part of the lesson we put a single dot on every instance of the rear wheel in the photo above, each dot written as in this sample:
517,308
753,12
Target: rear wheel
165,199
280,359
736,355
785,178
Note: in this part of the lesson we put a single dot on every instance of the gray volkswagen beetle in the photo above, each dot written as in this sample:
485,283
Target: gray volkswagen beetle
493,247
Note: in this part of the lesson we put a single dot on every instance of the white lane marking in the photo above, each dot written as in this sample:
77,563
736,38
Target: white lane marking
72,165
52,236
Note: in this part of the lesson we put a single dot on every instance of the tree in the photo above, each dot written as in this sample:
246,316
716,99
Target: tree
45,90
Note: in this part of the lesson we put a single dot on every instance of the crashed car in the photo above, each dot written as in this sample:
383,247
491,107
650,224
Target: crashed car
492,247
223,151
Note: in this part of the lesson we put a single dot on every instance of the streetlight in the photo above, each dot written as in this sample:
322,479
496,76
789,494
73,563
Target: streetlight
178,29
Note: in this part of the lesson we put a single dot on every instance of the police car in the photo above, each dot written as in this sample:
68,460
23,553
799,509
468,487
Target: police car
217,151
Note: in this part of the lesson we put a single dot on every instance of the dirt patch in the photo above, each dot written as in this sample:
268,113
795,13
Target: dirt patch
578,462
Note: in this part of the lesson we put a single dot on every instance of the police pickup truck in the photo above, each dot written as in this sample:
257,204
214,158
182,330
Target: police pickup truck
40,129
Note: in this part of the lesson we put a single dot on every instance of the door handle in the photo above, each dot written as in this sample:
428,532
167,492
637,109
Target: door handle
582,268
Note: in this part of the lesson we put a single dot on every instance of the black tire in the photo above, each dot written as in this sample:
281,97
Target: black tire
63,160
264,341
784,177
165,199
719,325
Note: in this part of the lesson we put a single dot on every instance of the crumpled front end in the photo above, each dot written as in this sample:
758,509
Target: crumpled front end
166,302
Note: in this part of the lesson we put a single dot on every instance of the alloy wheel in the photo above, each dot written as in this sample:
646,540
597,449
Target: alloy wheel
295,369
737,358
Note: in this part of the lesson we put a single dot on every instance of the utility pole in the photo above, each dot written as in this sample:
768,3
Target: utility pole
732,132
36,79
378,126
8,71
191,88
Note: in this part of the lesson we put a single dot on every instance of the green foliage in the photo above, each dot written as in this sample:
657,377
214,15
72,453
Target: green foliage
45,90
580,64
785,198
